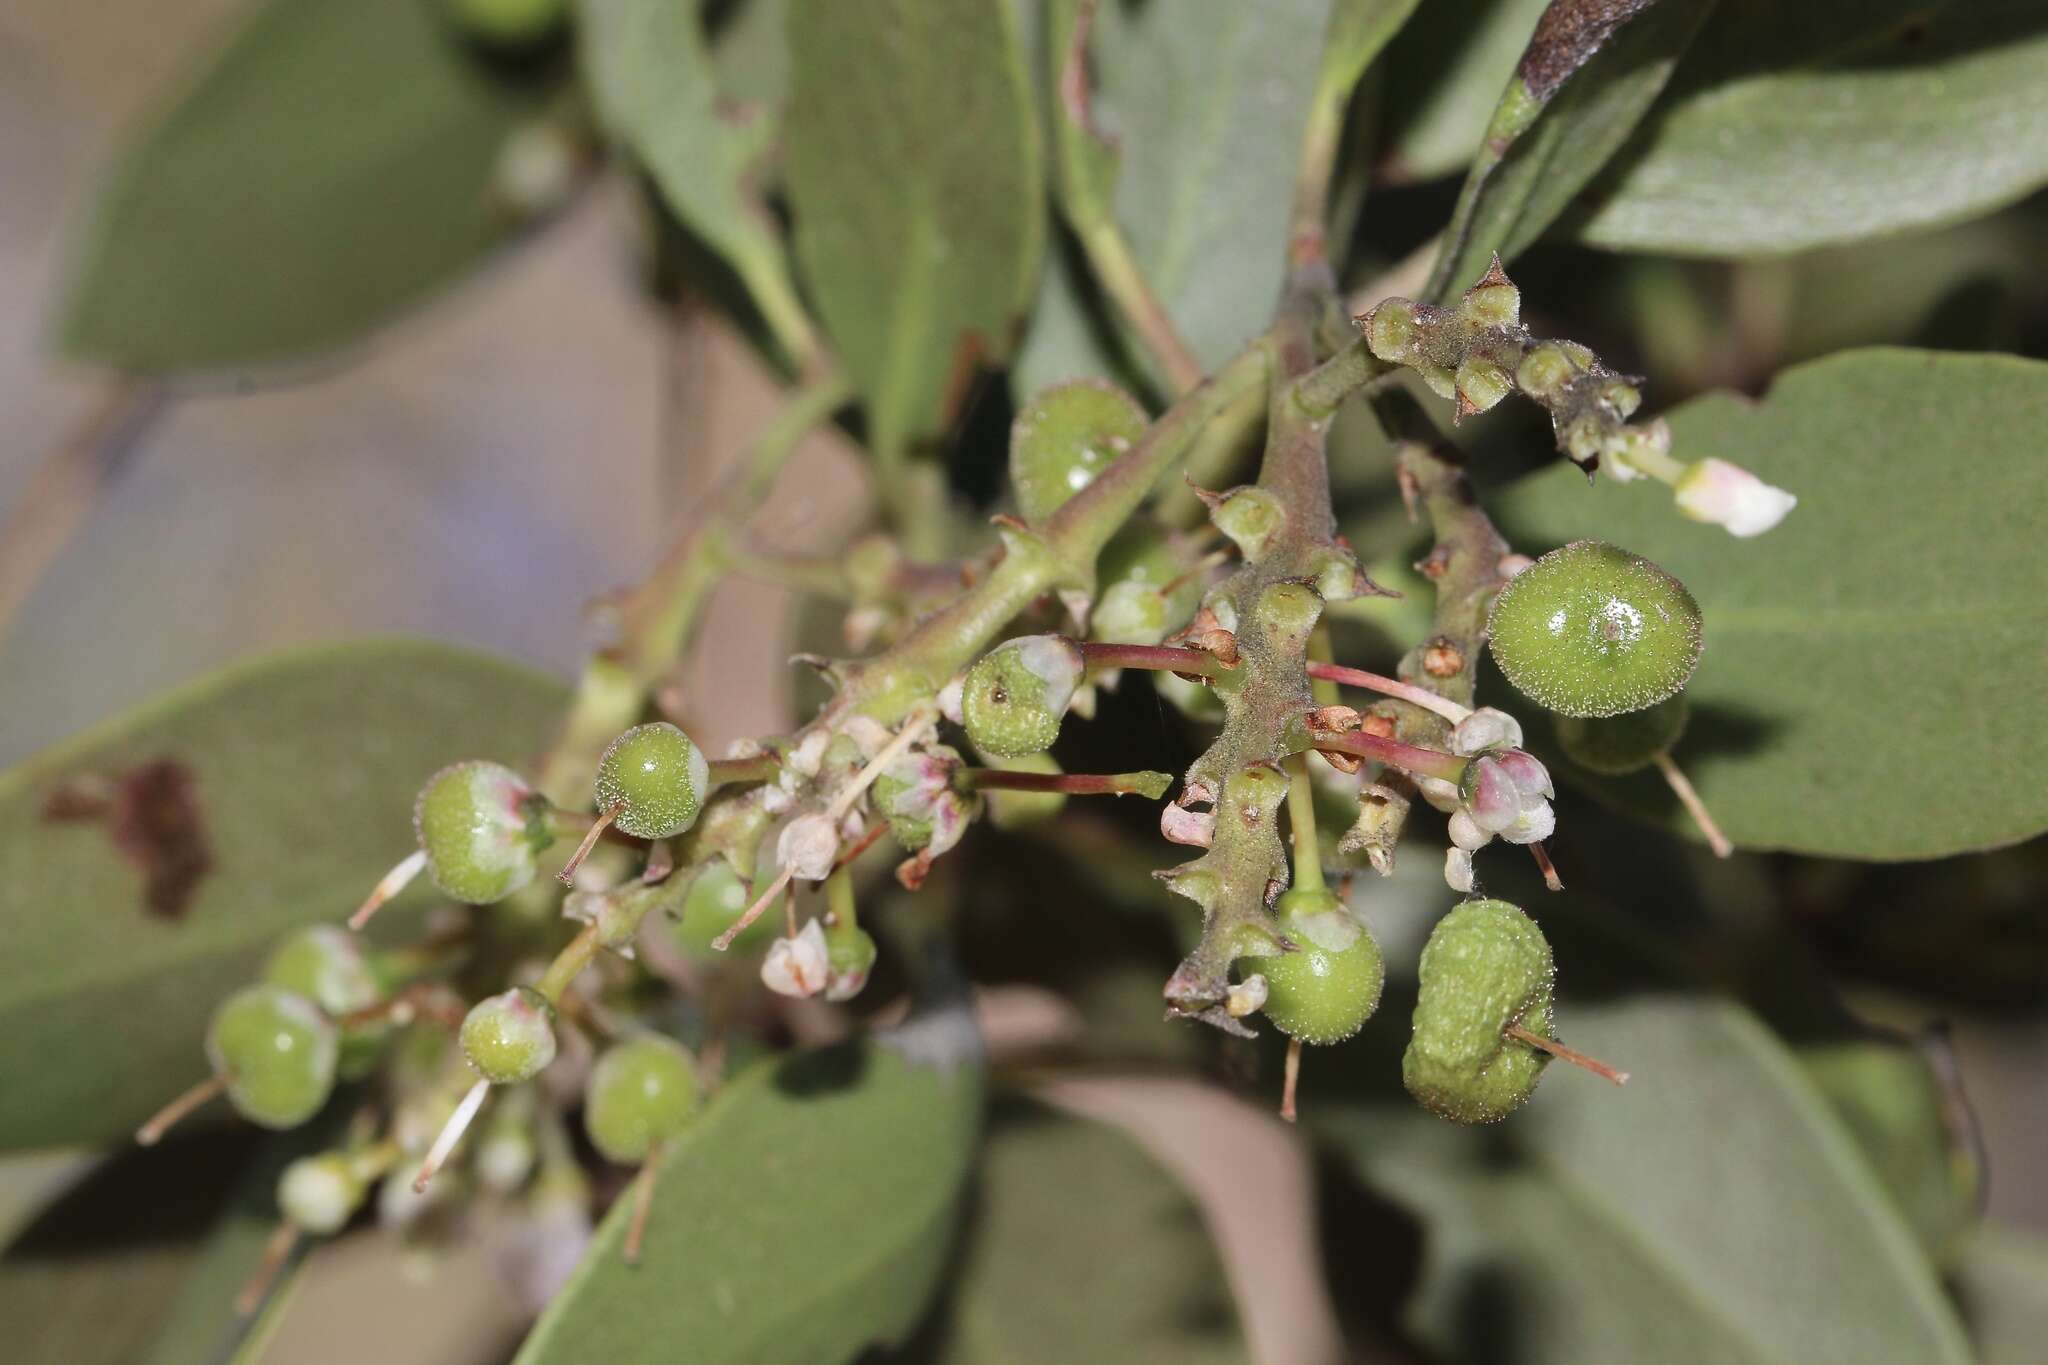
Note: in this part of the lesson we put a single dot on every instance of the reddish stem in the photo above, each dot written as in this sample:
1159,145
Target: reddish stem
1160,658
1149,785
1407,757
1390,687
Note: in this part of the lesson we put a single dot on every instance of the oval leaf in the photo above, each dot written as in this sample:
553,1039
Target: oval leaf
808,1216
921,270
331,168
1712,1211
1795,126
294,790
1870,662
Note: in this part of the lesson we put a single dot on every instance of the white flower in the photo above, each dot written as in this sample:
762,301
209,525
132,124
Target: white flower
1458,868
1729,495
807,847
798,966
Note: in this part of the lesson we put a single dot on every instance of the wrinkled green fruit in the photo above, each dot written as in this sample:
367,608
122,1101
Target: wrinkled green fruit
1627,743
1485,969
1066,435
1015,694
640,1093
1326,989
276,1051
1592,630
476,823
655,777
510,1037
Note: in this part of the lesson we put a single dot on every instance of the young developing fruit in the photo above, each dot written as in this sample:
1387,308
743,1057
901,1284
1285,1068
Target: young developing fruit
1613,745
1325,990
655,778
510,1037
480,826
318,1194
849,958
1016,693
1592,630
326,965
641,1092
1066,435
1485,970
716,898
276,1051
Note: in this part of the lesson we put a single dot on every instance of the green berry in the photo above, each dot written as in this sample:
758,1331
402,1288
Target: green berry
479,825
276,1051
1485,969
510,1037
325,963
1592,630
655,778
849,958
715,899
1135,605
640,1093
1326,989
320,1193
1066,435
1016,693
1614,745
510,23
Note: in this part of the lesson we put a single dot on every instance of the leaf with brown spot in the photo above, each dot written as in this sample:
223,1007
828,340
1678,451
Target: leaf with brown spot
153,816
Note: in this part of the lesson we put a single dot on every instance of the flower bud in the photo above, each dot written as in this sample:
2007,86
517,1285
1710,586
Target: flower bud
1506,794
849,960
1390,331
1545,370
1481,384
808,846
1486,728
799,967
1729,495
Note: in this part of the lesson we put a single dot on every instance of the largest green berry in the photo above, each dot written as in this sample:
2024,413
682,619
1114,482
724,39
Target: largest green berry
1015,694
655,778
480,825
1066,435
1486,969
1326,989
1592,630
640,1093
276,1051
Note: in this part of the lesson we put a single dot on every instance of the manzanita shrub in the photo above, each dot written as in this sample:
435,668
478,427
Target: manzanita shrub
1242,538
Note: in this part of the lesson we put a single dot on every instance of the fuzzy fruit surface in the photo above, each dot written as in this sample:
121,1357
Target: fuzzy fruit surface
510,1037
1066,435
1614,745
1016,693
510,23
325,963
1592,630
655,777
472,823
1325,990
276,1051
1485,969
640,1092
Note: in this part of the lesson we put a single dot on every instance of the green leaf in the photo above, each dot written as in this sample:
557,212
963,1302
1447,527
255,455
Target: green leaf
1870,662
1712,1211
2003,1284
1608,83
1801,125
655,88
330,169
304,768
1196,97
914,174
809,1215
1082,1250
1442,79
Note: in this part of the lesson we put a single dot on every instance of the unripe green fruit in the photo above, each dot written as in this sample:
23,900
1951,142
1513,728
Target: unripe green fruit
716,898
849,958
1614,745
479,825
1485,969
325,964
1066,435
1016,693
1592,630
1325,990
320,1193
1135,606
510,1037
276,1051
640,1092
510,23
655,777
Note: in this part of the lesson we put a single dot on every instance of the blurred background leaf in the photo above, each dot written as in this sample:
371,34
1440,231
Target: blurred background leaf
304,768
330,168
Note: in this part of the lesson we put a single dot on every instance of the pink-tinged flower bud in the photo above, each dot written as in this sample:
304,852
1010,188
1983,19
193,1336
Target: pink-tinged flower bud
1729,495
799,966
1195,828
1485,729
1507,791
